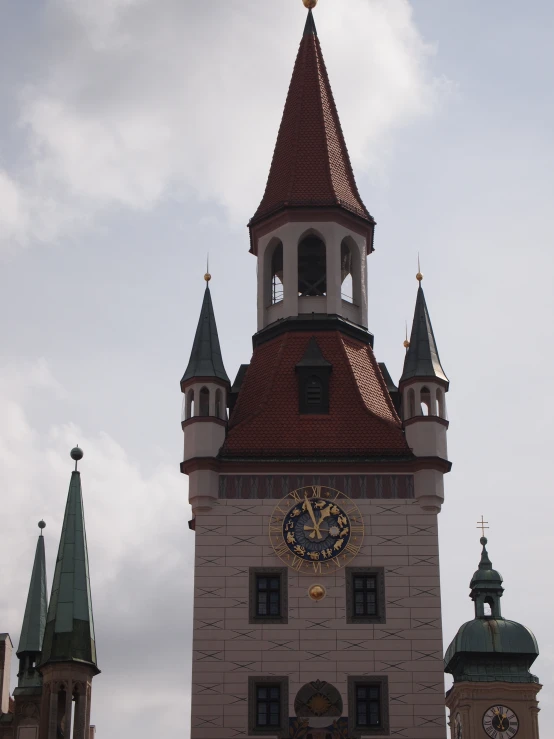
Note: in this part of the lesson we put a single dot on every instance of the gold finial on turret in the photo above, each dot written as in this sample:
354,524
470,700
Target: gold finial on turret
406,342
419,276
310,4
207,276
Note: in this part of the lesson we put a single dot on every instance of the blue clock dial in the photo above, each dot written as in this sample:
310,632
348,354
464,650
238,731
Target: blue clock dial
316,528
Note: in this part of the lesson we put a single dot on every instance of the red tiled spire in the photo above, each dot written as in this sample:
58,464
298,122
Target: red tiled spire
311,166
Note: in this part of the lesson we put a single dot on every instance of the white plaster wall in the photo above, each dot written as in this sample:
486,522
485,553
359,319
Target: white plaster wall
427,439
203,439
290,234
317,643
203,490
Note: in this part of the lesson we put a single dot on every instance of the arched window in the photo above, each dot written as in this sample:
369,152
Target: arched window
487,607
425,397
440,404
346,268
411,403
277,274
204,404
312,267
218,404
189,412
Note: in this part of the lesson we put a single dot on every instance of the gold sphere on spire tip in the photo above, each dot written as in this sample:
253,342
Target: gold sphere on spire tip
406,344
309,4
207,277
419,277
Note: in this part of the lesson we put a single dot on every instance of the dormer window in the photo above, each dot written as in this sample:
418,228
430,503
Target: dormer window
313,381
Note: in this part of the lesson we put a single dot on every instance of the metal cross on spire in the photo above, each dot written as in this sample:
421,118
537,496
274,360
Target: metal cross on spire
482,524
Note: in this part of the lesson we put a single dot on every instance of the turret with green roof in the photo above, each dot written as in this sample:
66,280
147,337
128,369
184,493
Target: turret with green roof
491,648
34,622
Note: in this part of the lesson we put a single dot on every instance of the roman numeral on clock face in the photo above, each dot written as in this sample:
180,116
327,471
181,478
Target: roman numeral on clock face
352,549
297,564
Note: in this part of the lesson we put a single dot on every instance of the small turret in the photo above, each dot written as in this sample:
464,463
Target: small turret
422,388
34,621
490,659
205,387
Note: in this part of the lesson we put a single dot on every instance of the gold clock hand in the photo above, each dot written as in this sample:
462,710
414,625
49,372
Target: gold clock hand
310,510
325,513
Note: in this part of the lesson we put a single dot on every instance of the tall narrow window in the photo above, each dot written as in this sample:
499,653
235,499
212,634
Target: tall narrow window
368,705
190,404
440,404
268,595
368,709
218,404
411,403
347,286
425,397
268,706
204,404
277,289
312,267
365,593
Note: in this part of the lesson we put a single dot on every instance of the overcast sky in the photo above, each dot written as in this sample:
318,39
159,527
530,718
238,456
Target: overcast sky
136,137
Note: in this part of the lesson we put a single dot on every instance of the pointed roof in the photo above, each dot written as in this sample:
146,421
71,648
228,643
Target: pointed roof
422,358
34,620
313,356
206,359
310,166
69,635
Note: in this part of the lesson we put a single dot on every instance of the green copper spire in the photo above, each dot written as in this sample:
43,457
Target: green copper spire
206,359
34,620
422,357
69,634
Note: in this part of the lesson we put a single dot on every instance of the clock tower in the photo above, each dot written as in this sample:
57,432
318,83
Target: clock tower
494,694
315,481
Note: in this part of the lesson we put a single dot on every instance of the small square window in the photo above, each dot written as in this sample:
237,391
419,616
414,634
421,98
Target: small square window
268,595
368,706
268,706
365,595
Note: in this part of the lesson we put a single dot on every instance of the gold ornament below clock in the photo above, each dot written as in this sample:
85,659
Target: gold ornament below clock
316,529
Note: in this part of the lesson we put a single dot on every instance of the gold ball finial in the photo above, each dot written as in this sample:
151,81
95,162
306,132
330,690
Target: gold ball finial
317,592
419,277
310,4
406,344
207,277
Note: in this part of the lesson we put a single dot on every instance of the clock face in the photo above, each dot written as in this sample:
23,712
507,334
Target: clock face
500,722
458,733
316,529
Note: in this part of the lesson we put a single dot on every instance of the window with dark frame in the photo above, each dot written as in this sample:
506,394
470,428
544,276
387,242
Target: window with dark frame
313,390
268,706
268,595
368,706
364,592
365,595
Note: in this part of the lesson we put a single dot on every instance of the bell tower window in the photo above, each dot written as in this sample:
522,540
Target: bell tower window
204,405
347,285
277,290
312,267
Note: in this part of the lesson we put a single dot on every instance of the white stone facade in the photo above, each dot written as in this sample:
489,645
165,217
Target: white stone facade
317,643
